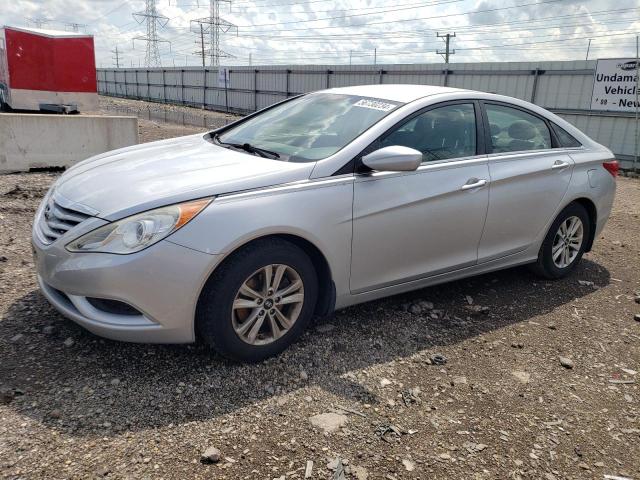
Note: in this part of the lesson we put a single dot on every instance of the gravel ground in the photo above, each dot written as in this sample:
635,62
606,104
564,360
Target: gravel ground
157,121
363,386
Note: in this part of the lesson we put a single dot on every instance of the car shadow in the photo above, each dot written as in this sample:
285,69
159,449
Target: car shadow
84,385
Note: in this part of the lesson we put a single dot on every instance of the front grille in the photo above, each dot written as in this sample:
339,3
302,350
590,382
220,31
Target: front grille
57,220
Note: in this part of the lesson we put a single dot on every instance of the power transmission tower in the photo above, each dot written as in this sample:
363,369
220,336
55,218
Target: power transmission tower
154,21
38,21
76,27
116,57
447,51
213,26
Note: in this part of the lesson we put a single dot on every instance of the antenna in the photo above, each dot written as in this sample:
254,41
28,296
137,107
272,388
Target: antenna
154,21
213,25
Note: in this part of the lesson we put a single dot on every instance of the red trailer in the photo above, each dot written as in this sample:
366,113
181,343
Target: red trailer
47,70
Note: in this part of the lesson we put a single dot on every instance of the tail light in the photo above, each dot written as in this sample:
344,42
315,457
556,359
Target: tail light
612,166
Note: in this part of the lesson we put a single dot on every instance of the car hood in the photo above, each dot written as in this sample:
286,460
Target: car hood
134,179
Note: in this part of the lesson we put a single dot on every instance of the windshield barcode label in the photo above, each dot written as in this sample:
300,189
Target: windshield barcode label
374,104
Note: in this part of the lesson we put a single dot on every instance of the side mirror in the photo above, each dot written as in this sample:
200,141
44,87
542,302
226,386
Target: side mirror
395,158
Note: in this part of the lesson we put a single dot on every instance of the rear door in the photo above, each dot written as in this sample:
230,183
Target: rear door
529,178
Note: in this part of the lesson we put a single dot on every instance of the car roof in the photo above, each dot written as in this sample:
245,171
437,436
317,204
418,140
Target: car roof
394,92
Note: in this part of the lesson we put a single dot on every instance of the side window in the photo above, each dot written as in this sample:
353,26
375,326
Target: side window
441,133
564,137
513,130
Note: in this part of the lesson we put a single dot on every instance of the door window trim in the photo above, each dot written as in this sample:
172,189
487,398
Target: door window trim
555,143
358,166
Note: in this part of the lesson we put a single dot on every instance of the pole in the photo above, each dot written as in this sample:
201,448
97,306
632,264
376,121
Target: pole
202,44
448,51
204,85
226,90
117,58
588,48
249,58
350,54
375,56
446,60
635,157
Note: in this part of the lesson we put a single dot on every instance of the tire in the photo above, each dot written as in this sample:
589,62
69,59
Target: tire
229,330
546,266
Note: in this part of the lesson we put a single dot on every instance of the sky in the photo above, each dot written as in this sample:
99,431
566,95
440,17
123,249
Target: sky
267,32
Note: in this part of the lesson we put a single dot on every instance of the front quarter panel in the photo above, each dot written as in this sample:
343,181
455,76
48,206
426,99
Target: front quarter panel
317,211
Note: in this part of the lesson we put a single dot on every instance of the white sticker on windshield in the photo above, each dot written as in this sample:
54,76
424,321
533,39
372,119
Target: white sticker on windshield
374,104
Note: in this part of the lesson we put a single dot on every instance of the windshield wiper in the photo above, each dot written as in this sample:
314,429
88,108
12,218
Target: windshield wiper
247,147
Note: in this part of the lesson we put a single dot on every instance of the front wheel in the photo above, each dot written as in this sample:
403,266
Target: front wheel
259,301
565,243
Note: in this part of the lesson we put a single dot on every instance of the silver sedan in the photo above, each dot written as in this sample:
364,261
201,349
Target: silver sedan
241,235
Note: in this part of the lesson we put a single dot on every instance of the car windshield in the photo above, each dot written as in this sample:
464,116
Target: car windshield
308,128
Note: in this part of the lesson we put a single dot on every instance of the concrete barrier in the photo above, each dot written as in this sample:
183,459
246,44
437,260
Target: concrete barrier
38,141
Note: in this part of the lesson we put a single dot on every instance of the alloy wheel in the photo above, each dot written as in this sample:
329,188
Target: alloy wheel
567,242
267,304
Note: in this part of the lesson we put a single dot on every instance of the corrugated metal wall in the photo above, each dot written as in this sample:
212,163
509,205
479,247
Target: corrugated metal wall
562,87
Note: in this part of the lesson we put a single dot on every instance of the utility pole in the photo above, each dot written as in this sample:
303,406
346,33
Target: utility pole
76,27
154,21
117,56
38,21
214,25
588,48
375,56
447,40
249,58
202,51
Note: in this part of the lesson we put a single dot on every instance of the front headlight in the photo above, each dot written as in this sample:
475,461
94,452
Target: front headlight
137,232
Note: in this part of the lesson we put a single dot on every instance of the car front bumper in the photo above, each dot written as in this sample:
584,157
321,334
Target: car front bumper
162,283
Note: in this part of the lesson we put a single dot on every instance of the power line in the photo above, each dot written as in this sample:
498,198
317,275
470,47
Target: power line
466,28
472,12
341,17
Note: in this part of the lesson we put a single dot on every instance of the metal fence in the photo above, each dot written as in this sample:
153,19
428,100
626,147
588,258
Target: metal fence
562,87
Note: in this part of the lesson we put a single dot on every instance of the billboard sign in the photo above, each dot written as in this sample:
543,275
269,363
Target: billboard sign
615,85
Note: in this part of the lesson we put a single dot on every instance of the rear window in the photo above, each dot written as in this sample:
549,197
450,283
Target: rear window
566,139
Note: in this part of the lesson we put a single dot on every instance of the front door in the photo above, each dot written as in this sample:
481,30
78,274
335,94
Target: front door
408,225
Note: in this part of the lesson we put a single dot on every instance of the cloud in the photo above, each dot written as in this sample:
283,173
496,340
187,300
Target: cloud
332,31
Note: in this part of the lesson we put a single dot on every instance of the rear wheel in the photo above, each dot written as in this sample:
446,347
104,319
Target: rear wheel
565,243
259,301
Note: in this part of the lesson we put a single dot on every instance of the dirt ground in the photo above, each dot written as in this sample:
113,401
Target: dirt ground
73,405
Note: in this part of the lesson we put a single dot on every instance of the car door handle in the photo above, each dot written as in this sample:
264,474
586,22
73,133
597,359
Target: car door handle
559,165
474,183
